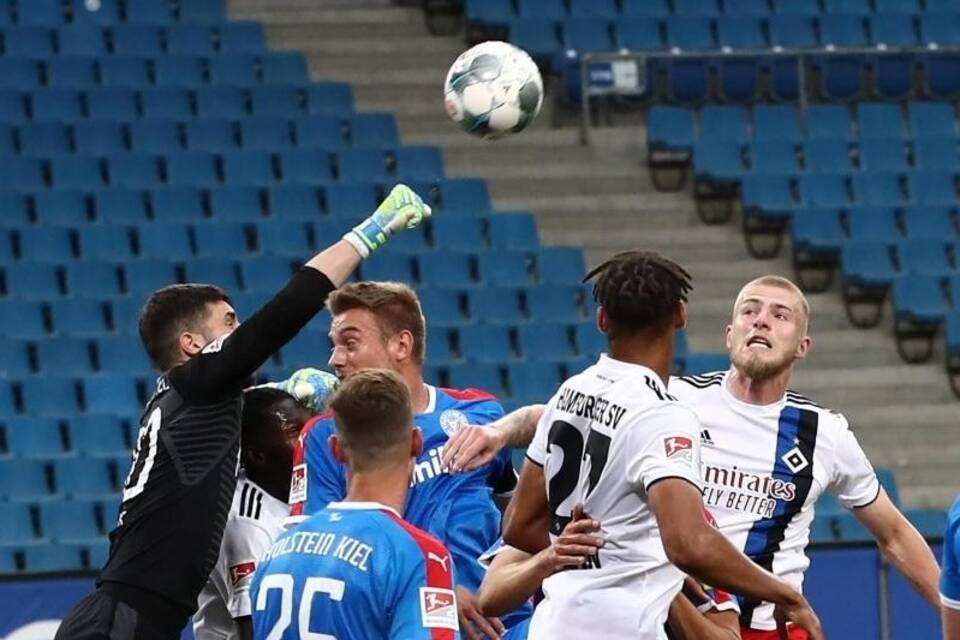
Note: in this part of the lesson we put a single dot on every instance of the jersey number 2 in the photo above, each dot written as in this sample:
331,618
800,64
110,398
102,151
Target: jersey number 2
284,583
151,431
569,439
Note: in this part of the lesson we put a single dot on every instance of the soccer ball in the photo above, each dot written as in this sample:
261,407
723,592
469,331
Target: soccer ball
493,89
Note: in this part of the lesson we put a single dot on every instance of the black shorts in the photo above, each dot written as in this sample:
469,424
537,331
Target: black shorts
100,616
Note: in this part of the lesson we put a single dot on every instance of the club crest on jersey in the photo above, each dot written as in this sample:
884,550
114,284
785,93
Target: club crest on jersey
298,484
242,571
795,460
451,420
679,447
438,608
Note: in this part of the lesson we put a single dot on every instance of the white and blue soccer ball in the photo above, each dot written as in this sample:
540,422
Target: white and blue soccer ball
493,89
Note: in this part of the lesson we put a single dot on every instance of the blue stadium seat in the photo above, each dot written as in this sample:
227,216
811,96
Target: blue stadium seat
134,171
172,103
164,241
223,240
84,478
438,347
219,271
50,244
41,12
137,39
265,273
445,269
56,104
489,13
933,187
125,71
723,123
476,375
465,196
284,238
897,6
545,342
867,263
233,69
388,266
419,163
7,141
177,204
49,396
708,8
800,7
111,393
533,381
306,349
121,353
285,67
242,35
99,138
15,214
211,134
28,42
842,30
76,172
146,276
924,257
854,7
19,73
64,357
940,29
266,133
179,71
374,130
670,128
593,8
99,552
68,521
586,34
552,9
203,11
560,265
535,35
7,404
690,33
793,31
877,120
277,100
504,268
319,132
774,157
873,224
236,203
746,7
931,523
149,12
34,438
495,305
191,168
880,189
190,39
16,527
350,200
918,299
893,30
638,33
52,557
841,79
21,320
486,343
155,136
514,231
330,99
125,313
824,190
44,139
78,317
71,72
442,307
117,207
24,480
741,32
823,155
306,166
882,154
717,161
942,79
926,222
687,81
221,102
817,232
95,280
61,207
105,12
14,358
651,8
929,119
457,234
293,202
32,281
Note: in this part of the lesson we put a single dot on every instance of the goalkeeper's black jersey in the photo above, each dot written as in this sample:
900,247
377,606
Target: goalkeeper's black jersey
180,486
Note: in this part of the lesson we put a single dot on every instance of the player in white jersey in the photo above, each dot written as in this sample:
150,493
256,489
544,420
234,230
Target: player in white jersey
270,426
767,453
612,439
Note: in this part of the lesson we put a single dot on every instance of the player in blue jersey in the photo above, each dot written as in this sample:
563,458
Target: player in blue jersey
381,325
950,575
355,570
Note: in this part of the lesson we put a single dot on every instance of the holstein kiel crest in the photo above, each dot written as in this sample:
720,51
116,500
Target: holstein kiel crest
451,420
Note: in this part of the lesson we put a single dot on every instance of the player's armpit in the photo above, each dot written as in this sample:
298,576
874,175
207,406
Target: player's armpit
526,522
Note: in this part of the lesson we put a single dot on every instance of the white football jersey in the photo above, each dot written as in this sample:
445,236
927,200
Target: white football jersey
607,435
763,468
255,520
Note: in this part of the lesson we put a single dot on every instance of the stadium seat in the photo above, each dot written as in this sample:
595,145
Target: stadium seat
162,241
350,200
545,342
670,128
284,238
535,35
49,396
49,244
842,31
442,307
929,119
586,34
172,103
876,120
16,527
137,39
514,231
560,265
190,39
219,271
293,202
34,438
457,234
119,207
52,557
918,301
71,72
95,280
933,188
924,257
44,139
203,11
184,72
928,222
22,173
223,240
486,343
155,136
111,393
64,356
265,273
99,138
306,349
106,12
145,276
84,478
78,317
306,166
330,99
56,104
248,168
21,320
873,224
495,305
776,122
68,521
827,156
504,268
882,155
191,168
19,73
373,130
723,123
688,82
221,102
419,163
24,480
940,29
445,269
477,375
741,32
868,262
438,347
774,157
284,67
690,33
553,303
7,404
793,31
638,33
465,196
177,204
828,122
76,172
242,36
125,71
211,134
265,133
134,171
28,42
125,313
149,12
717,161
593,8
824,190
533,381
236,203
14,359
319,132
880,189
234,69
32,281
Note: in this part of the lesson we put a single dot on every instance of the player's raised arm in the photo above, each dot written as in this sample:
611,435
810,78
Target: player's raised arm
229,357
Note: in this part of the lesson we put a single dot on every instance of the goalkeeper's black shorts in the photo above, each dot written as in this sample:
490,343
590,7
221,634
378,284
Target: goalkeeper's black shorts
100,616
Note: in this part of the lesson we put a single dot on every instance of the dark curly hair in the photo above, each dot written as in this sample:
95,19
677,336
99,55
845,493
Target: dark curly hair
639,290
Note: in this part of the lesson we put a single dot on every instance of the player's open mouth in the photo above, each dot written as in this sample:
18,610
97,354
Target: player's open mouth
759,342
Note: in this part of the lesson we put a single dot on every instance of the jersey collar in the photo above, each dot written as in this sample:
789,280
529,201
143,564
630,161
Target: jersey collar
431,399
773,407
628,368
362,506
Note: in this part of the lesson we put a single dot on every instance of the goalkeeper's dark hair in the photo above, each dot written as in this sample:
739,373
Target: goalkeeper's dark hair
639,290
170,311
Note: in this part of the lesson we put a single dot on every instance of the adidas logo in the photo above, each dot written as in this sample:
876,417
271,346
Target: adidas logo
705,438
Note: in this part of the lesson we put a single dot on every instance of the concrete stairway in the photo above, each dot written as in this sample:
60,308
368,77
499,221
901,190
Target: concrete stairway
601,198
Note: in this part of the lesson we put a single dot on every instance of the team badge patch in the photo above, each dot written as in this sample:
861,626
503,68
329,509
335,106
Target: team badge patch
298,484
451,420
242,571
679,447
795,460
438,608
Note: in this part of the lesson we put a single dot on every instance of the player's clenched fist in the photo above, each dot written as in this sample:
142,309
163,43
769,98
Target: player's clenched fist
309,386
577,542
800,614
402,209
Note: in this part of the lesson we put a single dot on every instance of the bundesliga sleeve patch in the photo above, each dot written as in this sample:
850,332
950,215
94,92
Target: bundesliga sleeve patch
298,484
242,571
679,448
438,609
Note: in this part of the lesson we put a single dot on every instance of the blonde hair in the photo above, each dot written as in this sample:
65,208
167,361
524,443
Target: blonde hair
394,304
781,283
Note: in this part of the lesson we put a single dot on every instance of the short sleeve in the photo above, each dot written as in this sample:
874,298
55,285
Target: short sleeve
244,543
537,451
950,565
325,477
425,604
854,481
662,442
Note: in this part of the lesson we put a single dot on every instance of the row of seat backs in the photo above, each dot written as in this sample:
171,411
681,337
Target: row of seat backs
235,36
679,128
121,103
880,262
778,193
58,12
53,557
228,69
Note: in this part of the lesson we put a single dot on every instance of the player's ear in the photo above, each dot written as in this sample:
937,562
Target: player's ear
336,448
603,322
402,343
806,344
726,336
680,316
190,343
416,443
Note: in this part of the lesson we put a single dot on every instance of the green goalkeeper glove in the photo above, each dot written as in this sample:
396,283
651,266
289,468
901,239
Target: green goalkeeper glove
309,386
402,209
